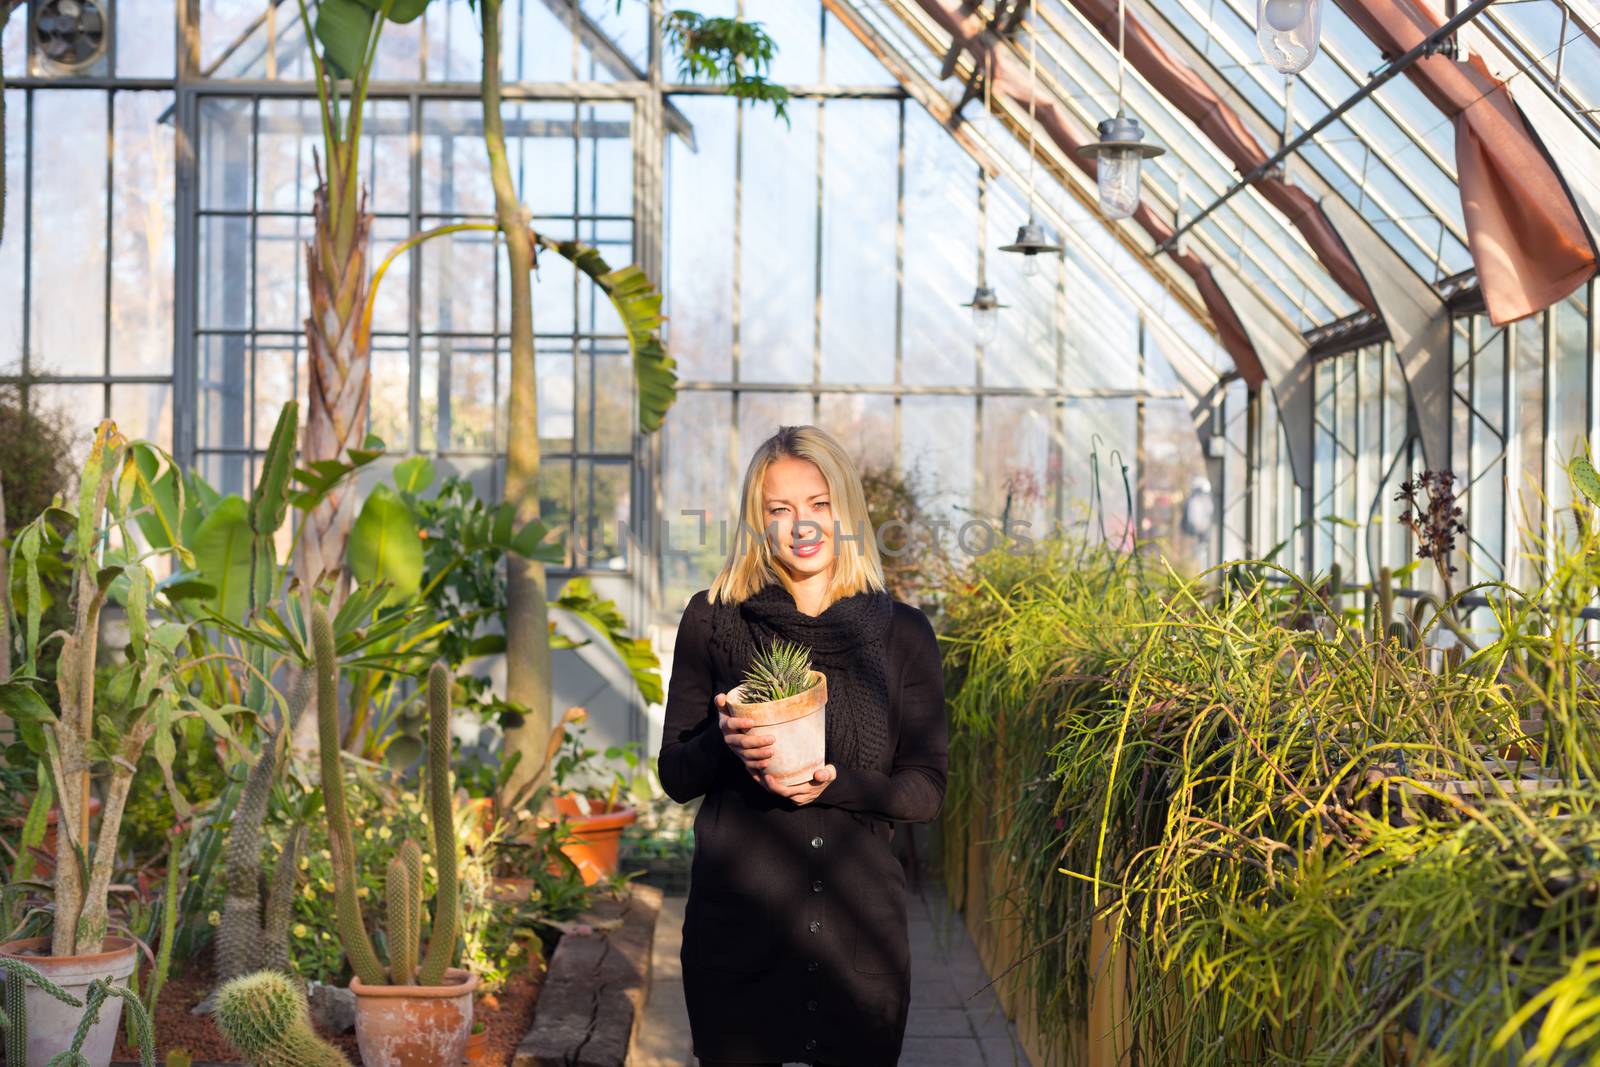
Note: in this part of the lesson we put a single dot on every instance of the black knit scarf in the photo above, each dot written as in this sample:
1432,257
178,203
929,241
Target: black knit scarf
847,643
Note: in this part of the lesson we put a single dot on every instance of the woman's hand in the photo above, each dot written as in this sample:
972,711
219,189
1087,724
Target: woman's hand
803,792
755,750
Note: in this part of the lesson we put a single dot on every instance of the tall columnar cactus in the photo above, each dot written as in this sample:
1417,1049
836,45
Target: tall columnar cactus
346,905
404,885
404,889
441,812
264,1016
249,939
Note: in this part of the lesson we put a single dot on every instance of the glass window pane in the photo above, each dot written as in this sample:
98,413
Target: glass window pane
79,407
1021,465
68,218
455,169
557,397
1175,493
606,398
389,404
225,275
142,211
12,244
699,240
796,29
223,392
698,476
777,256
760,415
937,455
941,257
860,176
604,504
605,160
224,157
864,424
144,412
147,34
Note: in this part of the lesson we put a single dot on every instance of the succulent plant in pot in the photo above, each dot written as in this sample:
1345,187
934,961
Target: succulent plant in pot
408,1013
788,701
91,724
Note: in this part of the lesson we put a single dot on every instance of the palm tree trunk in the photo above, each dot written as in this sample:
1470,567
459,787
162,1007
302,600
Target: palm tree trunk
527,614
339,352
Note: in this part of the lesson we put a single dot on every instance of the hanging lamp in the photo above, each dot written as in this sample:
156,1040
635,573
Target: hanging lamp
1288,32
1121,149
985,307
1032,240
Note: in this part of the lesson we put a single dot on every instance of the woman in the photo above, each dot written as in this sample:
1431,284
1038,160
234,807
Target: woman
794,938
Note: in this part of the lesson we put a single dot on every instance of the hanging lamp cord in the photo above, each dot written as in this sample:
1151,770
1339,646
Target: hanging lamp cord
1033,93
1122,48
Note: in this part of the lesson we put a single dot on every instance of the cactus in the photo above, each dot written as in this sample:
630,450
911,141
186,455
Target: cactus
264,1016
14,1014
346,905
404,906
404,889
139,1028
780,670
441,812
280,904
245,942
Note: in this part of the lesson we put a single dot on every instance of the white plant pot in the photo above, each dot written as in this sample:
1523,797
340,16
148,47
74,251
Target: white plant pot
51,1023
798,725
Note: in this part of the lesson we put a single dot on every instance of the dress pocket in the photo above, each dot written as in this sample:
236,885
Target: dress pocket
881,943
732,932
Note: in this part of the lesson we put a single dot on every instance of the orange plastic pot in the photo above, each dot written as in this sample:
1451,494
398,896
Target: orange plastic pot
412,1025
595,839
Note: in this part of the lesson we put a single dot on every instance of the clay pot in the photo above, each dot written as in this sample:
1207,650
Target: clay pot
415,1025
477,1047
596,838
798,726
50,1022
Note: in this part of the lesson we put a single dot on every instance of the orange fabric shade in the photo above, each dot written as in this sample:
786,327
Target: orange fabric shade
1528,242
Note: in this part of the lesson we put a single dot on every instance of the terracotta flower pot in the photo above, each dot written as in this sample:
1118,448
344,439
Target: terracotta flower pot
597,836
50,1022
477,1047
413,1025
798,726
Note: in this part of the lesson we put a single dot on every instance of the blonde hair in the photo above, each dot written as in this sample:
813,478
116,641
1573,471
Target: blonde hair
856,563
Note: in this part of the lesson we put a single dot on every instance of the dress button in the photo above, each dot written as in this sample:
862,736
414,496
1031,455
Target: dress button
812,966
811,1046
811,1005
816,887
816,842
816,924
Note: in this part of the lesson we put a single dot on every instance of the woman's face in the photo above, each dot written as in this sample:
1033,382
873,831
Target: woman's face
797,516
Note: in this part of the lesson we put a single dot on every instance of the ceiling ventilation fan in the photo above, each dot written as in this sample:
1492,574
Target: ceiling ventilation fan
71,37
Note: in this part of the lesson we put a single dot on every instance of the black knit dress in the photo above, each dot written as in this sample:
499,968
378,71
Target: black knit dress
794,941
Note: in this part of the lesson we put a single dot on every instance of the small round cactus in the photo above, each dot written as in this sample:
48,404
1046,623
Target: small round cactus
264,1016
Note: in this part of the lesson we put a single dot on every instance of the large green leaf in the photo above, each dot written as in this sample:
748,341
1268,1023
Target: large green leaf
399,10
270,504
343,27
638,304
222,555
385,545
414,475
